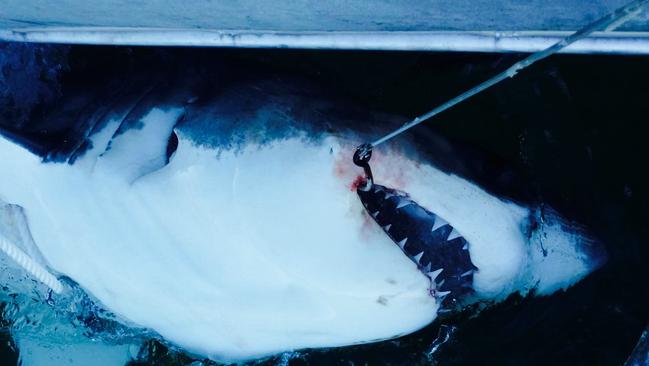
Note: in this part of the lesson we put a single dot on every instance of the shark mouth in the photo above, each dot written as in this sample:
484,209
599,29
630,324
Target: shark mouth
438,249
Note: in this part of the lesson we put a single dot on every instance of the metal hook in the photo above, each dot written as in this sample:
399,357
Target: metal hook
362,158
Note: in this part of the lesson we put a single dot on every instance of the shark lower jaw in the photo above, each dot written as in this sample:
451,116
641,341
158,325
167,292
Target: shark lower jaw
438,249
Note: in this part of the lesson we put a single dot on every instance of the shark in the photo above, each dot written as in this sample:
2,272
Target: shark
234,225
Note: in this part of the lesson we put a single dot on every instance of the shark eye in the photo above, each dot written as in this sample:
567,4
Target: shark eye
172,146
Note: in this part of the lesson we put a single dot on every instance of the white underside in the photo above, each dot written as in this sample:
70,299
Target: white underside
233,258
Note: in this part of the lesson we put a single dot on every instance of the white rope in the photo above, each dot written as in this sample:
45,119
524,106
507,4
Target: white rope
618,17
30,265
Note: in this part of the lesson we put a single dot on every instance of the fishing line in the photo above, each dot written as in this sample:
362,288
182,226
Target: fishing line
439,250
616,18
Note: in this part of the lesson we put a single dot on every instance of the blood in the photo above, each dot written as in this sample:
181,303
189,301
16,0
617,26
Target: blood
360,180
352,176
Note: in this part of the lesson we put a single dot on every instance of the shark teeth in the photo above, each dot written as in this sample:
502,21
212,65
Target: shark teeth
427,268
417,258
439,222
404,203
400,193
453,235
387,227
467,273
402,243
442,294
433,275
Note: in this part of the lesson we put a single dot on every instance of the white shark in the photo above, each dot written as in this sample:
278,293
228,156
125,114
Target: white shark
240,251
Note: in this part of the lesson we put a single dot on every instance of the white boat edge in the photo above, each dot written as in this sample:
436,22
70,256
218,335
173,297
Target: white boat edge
624,43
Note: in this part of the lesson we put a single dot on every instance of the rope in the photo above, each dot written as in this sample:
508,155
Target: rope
30,265
620,15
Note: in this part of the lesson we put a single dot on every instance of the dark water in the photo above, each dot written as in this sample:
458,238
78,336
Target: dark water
569,132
